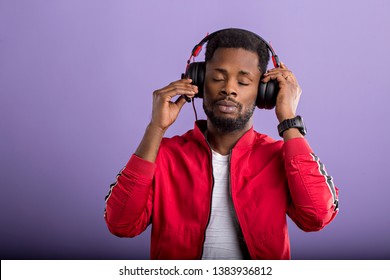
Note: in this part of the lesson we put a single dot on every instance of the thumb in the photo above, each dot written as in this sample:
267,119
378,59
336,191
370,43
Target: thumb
180,102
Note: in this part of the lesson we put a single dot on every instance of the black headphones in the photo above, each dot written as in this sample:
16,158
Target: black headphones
267,92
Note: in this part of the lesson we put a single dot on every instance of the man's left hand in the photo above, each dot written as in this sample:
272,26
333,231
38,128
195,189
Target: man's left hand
289,91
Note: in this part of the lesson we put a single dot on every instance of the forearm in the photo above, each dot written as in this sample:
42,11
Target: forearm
150,143
314,196
291,133
128,203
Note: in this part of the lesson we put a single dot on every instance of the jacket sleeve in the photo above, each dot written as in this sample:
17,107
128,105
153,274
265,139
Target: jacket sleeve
129,201
314,197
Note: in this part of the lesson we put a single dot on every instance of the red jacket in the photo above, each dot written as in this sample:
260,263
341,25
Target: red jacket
268,179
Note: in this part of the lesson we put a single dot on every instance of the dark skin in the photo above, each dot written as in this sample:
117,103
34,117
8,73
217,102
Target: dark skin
231,74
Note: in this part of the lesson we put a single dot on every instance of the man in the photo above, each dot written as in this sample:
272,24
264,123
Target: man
222,190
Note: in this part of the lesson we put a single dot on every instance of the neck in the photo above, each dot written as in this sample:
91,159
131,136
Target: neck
221,142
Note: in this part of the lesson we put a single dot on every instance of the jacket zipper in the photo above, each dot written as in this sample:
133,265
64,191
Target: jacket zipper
211,200
234,207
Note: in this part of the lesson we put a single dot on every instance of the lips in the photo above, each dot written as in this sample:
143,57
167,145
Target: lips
226,106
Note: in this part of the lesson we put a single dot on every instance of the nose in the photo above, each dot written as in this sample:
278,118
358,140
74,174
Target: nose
229,88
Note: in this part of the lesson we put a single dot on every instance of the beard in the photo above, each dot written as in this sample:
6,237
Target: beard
227,124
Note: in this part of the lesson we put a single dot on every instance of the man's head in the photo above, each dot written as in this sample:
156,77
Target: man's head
235,60
239,38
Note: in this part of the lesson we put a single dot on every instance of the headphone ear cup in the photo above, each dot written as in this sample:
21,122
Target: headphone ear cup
267,93
261,95
196,72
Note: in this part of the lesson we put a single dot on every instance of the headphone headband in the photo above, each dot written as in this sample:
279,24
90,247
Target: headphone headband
198,47
196,71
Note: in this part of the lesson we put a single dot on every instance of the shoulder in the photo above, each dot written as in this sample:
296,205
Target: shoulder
192,140
177,139
261,139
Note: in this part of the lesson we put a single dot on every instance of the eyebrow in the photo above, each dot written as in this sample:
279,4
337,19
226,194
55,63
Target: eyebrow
241,72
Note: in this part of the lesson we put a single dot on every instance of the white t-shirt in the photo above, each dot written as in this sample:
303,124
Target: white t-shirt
223,234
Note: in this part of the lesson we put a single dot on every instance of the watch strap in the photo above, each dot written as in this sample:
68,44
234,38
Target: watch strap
296,122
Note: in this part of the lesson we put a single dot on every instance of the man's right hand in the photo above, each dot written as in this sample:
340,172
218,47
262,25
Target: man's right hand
165,111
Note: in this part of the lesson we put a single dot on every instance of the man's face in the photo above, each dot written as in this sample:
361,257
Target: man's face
231,84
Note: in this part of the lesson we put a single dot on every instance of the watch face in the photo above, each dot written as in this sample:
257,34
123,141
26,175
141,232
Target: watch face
303,130
302,127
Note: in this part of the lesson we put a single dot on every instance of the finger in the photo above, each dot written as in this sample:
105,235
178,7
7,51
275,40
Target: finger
180,102
277,70
287,74
182,81
279,76
283,66
178,83
174,90
180,86
178,91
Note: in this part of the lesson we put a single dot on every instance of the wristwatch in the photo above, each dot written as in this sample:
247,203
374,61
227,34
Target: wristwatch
296,122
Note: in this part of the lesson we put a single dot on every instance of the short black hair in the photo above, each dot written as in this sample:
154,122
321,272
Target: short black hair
239,38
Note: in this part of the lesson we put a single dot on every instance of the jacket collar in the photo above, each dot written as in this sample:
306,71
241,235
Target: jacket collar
246,140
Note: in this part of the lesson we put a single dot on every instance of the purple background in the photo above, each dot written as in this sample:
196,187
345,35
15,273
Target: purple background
76,79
